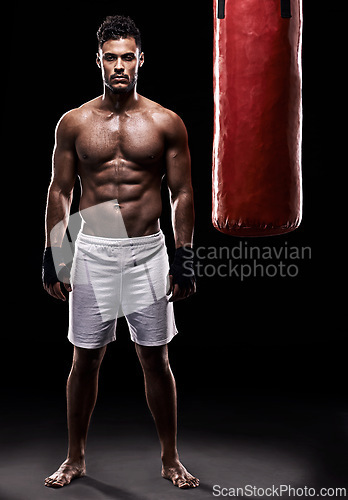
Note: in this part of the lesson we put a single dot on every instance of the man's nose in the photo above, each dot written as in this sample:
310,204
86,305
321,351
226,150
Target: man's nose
119,65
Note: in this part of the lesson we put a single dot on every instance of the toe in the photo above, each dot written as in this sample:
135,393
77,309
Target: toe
192,481
182,484
56,484
191,484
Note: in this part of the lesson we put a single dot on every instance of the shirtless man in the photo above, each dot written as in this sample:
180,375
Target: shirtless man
120,145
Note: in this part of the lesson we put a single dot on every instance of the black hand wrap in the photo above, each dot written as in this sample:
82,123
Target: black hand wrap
49,273
182,268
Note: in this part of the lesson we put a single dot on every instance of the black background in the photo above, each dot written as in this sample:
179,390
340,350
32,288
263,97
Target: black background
260,339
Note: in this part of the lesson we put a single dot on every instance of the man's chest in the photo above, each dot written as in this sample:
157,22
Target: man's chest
133,139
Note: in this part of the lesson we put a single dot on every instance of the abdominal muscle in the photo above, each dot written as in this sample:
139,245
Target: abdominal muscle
114,211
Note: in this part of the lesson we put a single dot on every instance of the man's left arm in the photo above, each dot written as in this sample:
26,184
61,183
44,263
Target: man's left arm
178,168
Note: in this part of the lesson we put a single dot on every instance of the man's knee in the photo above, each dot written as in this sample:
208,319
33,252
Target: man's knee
153,359
86,362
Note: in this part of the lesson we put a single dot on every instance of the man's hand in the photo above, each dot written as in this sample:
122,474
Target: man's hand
51,280
181,275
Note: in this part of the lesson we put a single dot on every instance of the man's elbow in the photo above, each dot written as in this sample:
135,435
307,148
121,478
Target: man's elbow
182,195
59,190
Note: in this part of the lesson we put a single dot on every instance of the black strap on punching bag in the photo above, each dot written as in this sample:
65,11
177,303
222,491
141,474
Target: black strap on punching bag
221,9
285,8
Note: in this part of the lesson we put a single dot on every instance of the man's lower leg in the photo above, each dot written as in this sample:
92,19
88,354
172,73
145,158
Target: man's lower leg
82,389
160,390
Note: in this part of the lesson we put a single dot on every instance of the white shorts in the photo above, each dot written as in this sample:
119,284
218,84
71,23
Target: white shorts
114,277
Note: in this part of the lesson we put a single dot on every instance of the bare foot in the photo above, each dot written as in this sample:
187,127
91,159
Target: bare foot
65,474
179,476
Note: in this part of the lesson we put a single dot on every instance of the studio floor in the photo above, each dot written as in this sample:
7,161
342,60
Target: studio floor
256,444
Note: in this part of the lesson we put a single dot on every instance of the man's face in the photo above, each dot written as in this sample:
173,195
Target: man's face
119,61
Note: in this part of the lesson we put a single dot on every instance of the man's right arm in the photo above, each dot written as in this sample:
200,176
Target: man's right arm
60,192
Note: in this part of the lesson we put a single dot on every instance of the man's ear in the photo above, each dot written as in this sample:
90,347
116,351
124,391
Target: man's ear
141,59
98,61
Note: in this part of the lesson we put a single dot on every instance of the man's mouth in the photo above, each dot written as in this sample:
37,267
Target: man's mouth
121,78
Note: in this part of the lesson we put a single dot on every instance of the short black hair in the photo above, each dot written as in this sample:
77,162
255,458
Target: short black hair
116,27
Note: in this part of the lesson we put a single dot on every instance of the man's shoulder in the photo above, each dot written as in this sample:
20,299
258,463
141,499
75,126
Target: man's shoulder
165,118
79,115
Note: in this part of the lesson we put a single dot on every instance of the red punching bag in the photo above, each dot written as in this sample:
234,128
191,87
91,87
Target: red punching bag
257,185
